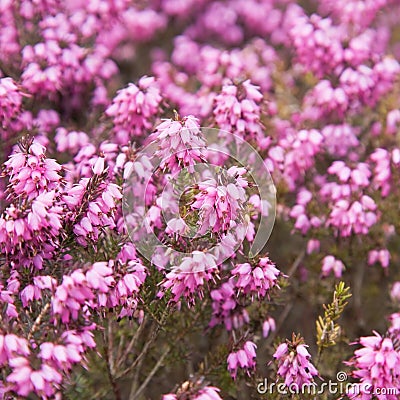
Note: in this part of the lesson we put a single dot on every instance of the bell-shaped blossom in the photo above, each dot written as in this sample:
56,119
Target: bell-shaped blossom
134,109
180,144
220,203
189,277
294,365
256,279
377,363
244,358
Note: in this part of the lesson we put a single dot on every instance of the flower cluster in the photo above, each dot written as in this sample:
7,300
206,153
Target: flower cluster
180,144
220,200
206,393
294,365
256,279
243,358
189,277
377,363
134,109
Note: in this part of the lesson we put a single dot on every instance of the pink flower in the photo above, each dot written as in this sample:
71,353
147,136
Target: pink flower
382,256
294,364
226,309
256,279
395,291
10,107
95,214
189,278
331,264
356,217
204,393
31,173
208,393
12,345
317,43
221,204
135,108
180,144
237,110
377,363
268,326
243,358
313,246
79,290
392,121
21,376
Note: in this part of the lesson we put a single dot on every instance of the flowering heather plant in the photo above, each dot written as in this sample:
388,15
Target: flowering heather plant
147,151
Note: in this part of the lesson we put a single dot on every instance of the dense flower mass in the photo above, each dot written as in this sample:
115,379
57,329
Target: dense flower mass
220,201
146,149
180,144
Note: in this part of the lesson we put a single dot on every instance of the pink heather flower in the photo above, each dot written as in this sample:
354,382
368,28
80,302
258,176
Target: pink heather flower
98,213
300,150
71,141
129,279
220,203
359,14
256,279
377,363
381,256
339,139
31,173
324,100
189,278
303,222
47,120
176,227
382,172
9,35
237,110
12,345
6,297
268,326
357,217
65,60
218,19
32,234
294,365
134,109
243,358
21,375
179,7
208,393
395,292
180,144
24,379
225,308
205,393
313,246
169,396
10,107
98,166
392,121
331,264
317,42
143,24
79,289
